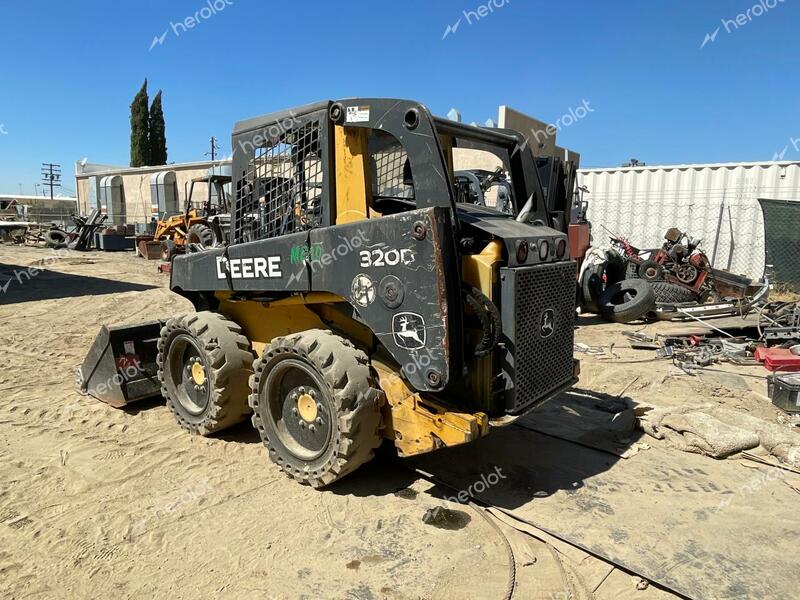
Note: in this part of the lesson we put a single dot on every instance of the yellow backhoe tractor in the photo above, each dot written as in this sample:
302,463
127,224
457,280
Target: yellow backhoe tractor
359,301
205,223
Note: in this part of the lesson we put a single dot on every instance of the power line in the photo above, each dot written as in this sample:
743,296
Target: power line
51,176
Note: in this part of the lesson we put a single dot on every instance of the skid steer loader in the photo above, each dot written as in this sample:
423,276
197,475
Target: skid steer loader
358,301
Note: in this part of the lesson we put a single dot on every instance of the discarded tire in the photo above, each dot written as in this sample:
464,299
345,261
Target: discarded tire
627,300
669,293
650,270
55,238
592,287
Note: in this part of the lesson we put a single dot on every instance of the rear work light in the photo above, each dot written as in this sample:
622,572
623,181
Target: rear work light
544,250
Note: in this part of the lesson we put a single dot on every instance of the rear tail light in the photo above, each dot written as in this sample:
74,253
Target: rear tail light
522,252
561,248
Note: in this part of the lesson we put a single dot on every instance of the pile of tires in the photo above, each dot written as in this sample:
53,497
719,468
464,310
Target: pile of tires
622,291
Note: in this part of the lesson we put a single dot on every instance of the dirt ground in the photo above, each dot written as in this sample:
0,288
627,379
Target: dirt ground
98,502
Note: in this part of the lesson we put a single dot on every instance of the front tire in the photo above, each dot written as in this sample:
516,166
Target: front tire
168,250
204,364
316,405
200,234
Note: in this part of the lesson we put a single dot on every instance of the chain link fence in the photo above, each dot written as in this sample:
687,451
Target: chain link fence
782,237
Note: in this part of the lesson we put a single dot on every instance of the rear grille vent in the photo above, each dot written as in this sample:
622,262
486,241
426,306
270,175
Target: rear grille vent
538,322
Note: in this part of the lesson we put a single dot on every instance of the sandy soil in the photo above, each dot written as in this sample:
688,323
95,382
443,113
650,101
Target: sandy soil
97,502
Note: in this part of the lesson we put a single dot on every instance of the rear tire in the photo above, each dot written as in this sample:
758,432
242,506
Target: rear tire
316,405
204,363
627,300
669,293
200,234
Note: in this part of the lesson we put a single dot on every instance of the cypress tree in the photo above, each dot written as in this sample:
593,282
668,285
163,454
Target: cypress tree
140,138
158,134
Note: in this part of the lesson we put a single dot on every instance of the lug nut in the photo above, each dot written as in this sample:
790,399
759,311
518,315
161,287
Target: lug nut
294,411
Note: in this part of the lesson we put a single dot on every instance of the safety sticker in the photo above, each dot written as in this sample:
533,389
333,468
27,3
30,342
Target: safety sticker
357,114
363,290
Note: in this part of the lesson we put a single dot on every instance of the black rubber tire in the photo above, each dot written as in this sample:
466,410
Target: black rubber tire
168,250
592,288
349,388
627,300
651,271
228,364
669,293
55,238
200,234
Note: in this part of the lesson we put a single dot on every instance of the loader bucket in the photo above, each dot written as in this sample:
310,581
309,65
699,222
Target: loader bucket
120,367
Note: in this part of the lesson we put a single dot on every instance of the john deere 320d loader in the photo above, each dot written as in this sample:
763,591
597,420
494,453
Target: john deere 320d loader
358,300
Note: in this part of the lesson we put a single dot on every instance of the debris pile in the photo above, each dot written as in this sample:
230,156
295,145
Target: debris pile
624,283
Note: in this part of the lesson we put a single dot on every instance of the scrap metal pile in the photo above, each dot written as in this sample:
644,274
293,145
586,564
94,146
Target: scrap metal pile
625,283
772,341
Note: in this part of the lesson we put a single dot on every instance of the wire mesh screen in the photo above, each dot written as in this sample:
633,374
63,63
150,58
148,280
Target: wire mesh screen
281,191
391,172
781,225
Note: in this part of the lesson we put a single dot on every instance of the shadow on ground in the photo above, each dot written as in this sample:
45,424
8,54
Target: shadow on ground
556,447
29,284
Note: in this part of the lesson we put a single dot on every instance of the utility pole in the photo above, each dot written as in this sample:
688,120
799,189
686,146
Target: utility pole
51,176
214,148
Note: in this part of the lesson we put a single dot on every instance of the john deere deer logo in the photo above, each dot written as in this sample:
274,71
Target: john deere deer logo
547,323
409,330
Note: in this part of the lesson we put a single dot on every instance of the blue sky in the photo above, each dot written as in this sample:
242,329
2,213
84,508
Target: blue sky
70,69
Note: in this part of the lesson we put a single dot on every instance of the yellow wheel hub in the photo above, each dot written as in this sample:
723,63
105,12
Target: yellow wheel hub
307,407
198,373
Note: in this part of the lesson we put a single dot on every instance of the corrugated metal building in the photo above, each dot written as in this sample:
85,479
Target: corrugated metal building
716,202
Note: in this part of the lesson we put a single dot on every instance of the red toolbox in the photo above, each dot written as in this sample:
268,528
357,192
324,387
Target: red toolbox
778,359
